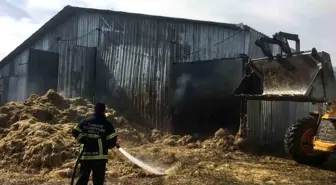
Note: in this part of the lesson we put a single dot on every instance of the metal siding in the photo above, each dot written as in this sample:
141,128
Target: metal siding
135,57
128,66
268,121
138,54
6,70
77,30
16,70
201,42
86,29
253,121
20,70
76,64
4,90
12,89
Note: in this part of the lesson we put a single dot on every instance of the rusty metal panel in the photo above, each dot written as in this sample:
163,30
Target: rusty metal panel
76,71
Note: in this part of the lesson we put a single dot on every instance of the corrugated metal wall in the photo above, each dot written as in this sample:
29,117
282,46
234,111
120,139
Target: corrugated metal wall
77,30
76,70
134,58
16,74
268,121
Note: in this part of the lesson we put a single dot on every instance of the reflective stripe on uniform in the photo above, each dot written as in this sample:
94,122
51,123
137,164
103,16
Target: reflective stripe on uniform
81,147
95,157
111,136
100,146
94,136
77,128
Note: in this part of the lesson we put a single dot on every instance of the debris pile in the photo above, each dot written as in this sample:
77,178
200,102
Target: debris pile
222,140
36,146
36,134
50,108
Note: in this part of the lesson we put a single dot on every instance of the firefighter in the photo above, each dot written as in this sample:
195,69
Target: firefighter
96,135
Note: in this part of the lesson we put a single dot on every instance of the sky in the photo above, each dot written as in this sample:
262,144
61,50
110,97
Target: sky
313,20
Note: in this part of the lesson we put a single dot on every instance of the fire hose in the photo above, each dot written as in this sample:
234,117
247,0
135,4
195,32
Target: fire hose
77,162
128,156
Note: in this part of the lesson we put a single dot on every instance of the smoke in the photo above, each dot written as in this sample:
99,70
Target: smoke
62,93
181,87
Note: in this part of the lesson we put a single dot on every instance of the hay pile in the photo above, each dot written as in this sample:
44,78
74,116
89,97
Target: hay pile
36,134
36,137
222,140
50,108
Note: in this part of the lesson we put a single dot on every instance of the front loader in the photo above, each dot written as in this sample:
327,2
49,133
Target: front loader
297,76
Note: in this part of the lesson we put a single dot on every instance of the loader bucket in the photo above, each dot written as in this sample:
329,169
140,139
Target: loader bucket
305,77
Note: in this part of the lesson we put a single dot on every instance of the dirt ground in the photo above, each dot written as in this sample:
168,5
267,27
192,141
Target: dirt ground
36,147
197,166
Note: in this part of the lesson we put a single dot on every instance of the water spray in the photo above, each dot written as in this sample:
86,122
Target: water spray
139,163
156,171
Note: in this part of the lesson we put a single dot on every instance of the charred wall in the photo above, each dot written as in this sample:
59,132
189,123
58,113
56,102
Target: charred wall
202,95
42,71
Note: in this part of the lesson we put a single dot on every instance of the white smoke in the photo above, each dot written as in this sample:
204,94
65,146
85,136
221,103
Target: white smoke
181,86
62,93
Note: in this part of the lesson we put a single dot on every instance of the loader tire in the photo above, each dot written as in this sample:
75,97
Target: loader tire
297,143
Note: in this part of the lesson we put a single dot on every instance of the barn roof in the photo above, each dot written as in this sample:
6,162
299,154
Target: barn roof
68,11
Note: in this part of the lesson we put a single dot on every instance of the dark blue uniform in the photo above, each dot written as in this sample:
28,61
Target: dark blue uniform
96,135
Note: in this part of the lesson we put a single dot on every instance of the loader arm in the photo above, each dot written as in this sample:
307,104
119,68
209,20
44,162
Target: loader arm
301,76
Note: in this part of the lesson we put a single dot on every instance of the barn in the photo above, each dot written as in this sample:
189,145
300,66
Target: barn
172,74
